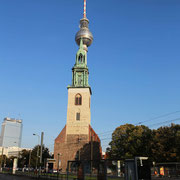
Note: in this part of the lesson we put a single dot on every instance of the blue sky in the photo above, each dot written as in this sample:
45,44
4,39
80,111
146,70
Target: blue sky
134,63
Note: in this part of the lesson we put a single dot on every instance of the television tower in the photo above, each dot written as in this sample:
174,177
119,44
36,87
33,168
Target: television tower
84,32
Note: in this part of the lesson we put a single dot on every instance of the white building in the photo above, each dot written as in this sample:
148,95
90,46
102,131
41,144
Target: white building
11,132
12,151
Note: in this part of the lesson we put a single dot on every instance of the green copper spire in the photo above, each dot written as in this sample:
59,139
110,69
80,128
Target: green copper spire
80,69
81,56
84,39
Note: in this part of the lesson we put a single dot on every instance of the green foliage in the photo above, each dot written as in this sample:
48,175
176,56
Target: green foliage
161,145
23,158
166,144
129,141
35,151
26,156
5,162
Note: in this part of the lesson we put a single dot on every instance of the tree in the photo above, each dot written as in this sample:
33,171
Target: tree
129,141
45,155
9,161
4,161
161,145
23,160
166,144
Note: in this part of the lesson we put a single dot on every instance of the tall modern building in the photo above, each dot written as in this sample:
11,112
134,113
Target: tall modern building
11,132
78,141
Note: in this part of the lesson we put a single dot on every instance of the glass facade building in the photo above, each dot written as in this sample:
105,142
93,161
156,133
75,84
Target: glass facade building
11,133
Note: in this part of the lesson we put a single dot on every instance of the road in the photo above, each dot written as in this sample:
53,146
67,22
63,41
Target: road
11,177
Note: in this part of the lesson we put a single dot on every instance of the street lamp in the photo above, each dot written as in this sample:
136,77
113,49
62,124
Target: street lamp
58,163
37,149
58,167
29,163
2,149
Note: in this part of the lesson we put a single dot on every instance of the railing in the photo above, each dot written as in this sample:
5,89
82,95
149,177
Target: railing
111,170
38,175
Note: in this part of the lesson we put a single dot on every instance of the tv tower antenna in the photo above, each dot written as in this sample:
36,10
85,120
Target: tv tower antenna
84,8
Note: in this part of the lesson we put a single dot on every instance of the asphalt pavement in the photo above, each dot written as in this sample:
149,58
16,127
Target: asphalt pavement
11,177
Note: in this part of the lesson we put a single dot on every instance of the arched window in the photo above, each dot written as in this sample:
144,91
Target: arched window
78,99
80,59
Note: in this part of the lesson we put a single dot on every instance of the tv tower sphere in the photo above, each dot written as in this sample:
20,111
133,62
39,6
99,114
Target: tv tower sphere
84,33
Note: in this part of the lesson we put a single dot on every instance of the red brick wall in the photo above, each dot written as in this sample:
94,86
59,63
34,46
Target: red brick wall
69,146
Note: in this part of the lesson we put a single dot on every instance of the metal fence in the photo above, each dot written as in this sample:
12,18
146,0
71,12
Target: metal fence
116,170
103,170
37,175
96,170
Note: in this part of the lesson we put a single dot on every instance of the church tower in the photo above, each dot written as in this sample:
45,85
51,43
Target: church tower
78,132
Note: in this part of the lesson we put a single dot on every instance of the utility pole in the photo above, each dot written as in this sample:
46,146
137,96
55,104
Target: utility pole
1,158
5,161
37,150
42,136
58,167
58,162
29,164
91,149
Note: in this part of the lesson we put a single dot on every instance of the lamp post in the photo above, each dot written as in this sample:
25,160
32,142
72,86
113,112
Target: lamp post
37,150
58,166
1,158
42,136
29,163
